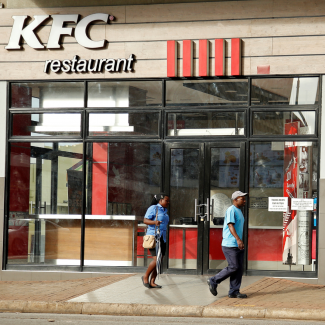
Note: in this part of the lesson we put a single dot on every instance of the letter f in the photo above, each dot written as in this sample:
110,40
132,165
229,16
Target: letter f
27,33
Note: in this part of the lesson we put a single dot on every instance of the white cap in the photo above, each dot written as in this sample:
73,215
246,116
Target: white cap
236,194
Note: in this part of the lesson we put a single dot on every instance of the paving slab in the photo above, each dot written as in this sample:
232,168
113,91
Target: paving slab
279,293
181,295
177,290
61,290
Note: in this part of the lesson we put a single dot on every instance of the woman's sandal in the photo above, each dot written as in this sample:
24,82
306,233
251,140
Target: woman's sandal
147,285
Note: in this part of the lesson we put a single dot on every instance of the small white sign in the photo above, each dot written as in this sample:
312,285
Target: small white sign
302,204
279,204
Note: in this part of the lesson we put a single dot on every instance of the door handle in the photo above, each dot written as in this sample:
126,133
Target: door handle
208,210
207,207
198,211
195,210
211,208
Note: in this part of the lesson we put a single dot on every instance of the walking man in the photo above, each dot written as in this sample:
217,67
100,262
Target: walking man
232,247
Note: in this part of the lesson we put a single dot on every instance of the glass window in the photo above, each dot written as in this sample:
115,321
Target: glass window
206,123
206,92
184,189
121,181
128,123
46,124
45,203
281,236
284,123
224,180
124,93
47,95
285,91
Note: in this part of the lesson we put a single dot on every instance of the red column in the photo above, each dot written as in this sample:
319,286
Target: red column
171,59
219,65
236,57
99,179
187,58
203,58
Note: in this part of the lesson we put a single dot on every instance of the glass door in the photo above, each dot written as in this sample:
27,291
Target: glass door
200,178
224,174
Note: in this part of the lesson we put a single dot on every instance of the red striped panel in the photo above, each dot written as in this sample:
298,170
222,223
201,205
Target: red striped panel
99,178
236,57
171,59
203,58
187,58
220,54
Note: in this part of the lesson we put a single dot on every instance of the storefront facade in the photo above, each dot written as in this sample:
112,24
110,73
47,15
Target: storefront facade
150,98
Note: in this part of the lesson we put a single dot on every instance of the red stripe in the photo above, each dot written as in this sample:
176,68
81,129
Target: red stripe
219,56
187,58
171,59
236,57
203,58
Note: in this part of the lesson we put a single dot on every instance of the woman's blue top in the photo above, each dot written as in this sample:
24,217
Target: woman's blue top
162,216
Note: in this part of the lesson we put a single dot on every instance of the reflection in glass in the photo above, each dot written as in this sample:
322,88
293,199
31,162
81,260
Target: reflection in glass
184,189
205,123
279,122
285,91
45,203
224,180
132,123
46,124
282,238
124,93
206,92
47,95
121,181
44,241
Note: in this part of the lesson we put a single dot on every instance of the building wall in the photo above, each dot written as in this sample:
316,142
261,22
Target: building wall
286,35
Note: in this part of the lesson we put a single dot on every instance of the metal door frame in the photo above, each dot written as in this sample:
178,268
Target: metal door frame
203,229
242,180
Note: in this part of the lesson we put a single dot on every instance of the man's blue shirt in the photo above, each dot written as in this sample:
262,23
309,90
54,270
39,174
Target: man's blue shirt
162,216
234,216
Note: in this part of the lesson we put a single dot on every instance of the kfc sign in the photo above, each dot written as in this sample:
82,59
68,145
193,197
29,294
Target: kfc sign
58,29
204,58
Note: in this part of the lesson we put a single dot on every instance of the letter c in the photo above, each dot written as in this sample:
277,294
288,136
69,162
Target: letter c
81,31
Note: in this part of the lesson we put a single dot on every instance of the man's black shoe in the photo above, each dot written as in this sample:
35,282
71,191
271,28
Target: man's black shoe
211,288
238,295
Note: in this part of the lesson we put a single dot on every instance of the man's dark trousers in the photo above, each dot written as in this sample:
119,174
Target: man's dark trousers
234,270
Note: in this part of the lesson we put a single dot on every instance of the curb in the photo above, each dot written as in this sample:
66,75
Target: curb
89,308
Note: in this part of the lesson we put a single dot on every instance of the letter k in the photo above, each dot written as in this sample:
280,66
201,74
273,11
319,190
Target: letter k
27,33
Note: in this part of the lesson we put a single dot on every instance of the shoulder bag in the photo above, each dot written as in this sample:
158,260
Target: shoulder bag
149,240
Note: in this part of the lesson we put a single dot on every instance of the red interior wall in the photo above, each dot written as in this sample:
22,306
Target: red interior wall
265,245
176,243
19,175
99,179
215,252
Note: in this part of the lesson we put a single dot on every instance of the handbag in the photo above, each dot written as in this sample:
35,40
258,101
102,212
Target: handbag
149,241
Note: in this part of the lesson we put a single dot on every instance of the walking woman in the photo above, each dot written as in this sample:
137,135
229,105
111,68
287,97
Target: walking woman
160,201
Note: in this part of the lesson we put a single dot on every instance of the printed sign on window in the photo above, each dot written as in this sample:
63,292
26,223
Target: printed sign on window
302,204
279,204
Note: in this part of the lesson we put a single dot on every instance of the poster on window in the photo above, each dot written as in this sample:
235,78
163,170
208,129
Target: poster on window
304,204
267,176
266,155
290,170
229,156
266,166
229,176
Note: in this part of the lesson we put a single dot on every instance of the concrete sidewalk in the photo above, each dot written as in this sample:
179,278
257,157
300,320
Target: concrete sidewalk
181,295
